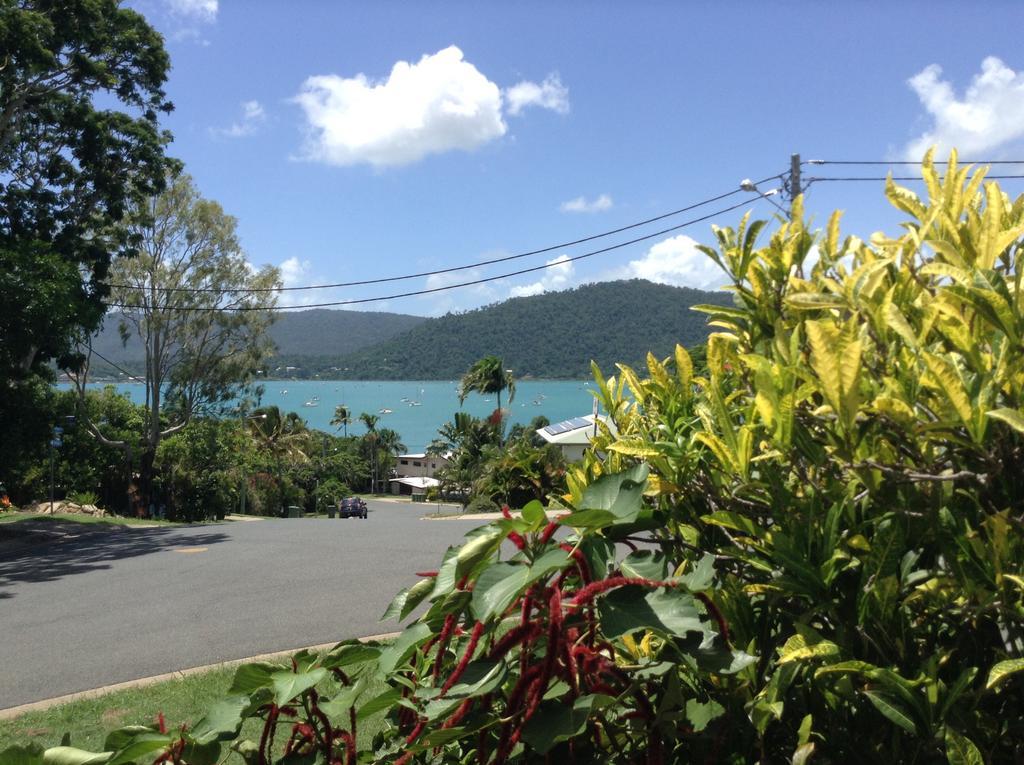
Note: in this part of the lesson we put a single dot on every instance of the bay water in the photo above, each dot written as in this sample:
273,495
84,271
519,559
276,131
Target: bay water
413,408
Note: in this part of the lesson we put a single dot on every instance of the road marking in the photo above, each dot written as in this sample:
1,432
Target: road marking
189,550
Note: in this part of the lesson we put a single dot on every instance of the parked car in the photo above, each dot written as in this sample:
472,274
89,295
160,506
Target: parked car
352,507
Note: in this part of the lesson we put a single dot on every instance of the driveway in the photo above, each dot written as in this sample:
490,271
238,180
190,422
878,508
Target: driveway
111,605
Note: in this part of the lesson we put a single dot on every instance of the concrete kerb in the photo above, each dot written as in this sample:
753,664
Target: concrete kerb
38,706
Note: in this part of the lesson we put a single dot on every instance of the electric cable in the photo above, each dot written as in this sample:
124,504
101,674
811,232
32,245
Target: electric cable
902,178
454,269
120,369
356,301
909,162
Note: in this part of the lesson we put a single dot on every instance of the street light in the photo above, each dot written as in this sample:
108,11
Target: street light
748,185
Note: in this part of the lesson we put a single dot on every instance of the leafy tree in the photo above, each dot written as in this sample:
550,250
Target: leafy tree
188,298
202,466
285,440
389,446
70,170
342,417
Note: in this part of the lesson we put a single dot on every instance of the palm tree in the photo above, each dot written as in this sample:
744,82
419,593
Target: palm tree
370,421
488,375
342,417
389,442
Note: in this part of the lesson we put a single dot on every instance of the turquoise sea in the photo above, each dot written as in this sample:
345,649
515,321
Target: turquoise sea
415,409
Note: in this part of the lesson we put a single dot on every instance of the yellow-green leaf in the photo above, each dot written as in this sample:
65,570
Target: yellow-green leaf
1003,670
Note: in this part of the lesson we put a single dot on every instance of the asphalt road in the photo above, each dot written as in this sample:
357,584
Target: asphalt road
115,605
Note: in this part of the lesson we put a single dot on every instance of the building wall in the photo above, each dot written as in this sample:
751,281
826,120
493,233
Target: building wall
407,467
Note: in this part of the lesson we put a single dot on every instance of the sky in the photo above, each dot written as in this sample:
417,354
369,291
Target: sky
357,141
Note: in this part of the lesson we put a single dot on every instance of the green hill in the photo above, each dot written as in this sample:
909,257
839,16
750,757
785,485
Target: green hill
553,335
309,339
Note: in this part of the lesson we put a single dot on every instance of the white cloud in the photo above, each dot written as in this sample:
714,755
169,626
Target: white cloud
989,116
458,299
438,104
678,262
253,115
199,10
299,273
557,277
550,94
581,205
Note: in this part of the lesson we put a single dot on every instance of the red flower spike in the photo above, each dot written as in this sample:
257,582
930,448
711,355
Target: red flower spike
723,625
594,589
161,723
426,574
506,512
548,532
474,638
442,644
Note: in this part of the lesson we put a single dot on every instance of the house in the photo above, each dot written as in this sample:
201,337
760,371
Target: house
573,436
414,473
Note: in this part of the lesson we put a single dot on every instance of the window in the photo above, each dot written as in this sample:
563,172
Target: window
405,462
433,465
417,464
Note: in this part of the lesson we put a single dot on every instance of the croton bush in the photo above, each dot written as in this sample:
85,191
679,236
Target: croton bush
811,551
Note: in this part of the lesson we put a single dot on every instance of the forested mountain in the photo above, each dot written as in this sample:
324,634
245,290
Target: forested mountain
553,335
314,338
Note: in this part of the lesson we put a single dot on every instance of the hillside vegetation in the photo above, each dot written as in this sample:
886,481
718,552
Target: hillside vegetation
309,339
554,335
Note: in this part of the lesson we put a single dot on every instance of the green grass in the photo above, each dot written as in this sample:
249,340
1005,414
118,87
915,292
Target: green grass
183,700
109,520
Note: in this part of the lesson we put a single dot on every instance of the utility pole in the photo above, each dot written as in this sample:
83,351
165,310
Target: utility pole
794,180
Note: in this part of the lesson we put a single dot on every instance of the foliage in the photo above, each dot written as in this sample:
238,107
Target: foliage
831,529
202,468
488,375
554,335
68,168
188,297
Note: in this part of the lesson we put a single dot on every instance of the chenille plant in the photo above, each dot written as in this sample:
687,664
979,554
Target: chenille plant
810,551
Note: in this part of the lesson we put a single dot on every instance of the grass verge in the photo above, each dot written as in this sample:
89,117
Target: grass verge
107,520
182,701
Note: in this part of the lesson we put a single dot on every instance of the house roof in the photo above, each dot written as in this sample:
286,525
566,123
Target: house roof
577,431
424,456
418,482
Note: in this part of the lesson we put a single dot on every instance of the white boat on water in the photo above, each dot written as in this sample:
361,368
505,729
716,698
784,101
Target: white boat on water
311,402
385,411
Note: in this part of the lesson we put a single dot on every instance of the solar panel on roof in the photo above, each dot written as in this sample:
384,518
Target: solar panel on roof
579,422
576,423
557,429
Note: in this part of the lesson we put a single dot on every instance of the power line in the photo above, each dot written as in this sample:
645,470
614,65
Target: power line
414,293
120,369
903,178
454,269
909,162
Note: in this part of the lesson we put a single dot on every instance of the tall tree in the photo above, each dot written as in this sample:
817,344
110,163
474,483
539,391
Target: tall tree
342,417
284,438
197,307
488,375
370,439
70,170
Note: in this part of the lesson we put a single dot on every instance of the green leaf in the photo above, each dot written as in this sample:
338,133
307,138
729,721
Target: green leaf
141,745
69,755
555,722
1011,417
251,677
497,586
553,560
826,649
646,564
892,709
533,513
350,655
701,713
1003,670
618,493
628,609
480,677
483,543
960,750
379,703
223,721
120,738
404,645
814,300
289,685
407,600
701,576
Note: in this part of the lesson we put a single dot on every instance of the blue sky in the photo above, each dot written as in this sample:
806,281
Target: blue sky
363,140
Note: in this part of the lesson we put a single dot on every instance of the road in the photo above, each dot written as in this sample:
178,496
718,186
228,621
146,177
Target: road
113,605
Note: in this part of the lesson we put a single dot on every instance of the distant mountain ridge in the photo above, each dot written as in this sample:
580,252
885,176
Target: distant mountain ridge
552,335
297,334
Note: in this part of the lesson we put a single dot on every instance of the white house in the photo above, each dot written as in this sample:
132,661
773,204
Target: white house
574,436
414,473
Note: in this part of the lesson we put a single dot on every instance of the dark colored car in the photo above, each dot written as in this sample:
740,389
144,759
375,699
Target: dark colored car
352,507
